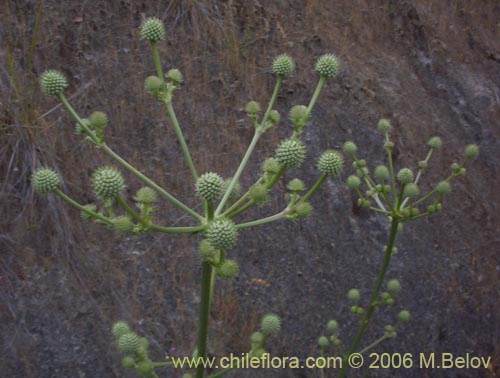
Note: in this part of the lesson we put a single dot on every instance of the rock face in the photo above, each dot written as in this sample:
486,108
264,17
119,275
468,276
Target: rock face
431,67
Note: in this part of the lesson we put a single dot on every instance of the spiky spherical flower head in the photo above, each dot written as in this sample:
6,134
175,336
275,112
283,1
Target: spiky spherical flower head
271,165
384,125
381,172
332,325
298,114
123,224
128,362
350,148
153,84
291,153
252,108
270,324
353,182
45,180
107,182
393,286
236,188
302,210
411,190
222,233
296,185
146,195
435,143
207,251
52,83
228,269
353,295
209,186
119,329
259,193
330,163
98,120
128,343
444,187
471,152
152,29
274,117
405,176
323,341
327,65
283,65
175,76
404,316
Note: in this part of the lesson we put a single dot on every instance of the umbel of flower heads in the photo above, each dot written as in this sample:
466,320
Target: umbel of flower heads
223,199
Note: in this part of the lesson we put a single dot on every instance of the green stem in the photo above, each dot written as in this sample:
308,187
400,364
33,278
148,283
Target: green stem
131,211
258,133
156,58
432,192
375,293
161,364
314,188
72,202
206,274
75,115
220,373
315,96
259,222
391,166
182,141
372,345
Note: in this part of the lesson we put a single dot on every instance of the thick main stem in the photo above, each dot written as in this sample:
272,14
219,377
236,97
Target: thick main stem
375,293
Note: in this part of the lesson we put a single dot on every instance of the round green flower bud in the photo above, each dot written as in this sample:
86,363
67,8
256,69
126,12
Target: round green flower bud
144,367
222,233
119,329
435,143
236,188
381,172
404,316
296,185
444,187
283,65
388,145
91,207
257,338
228,269
259,193
107,182
123,224
98,120
152,29
302,210
353,182
153,84
175,76
271,165
411,190
330,163
270,324
209,187
393,286
384,125
259,352
45,180
146,195
405,176
422,165
471,152
274,117
52,83
207,251
128,362
144,343
327,65
298,115
79,128
350,148
390,332
323,341
252,108
332,325
128,343
353,295
291,153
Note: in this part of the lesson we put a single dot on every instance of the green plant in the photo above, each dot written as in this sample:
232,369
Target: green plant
397,196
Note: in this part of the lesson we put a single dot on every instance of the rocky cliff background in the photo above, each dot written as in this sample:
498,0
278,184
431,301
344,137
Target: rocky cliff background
431,67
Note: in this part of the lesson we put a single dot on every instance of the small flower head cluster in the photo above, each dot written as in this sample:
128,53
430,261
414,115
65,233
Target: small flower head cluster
270,325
